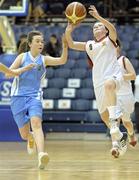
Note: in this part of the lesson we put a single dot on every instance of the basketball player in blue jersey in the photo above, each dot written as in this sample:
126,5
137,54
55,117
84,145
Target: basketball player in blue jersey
107,74
15,72
26,93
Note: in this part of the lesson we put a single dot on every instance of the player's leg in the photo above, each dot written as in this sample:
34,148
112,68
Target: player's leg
19,110
115,143
43,158
127,103
26,134
35,113
114,110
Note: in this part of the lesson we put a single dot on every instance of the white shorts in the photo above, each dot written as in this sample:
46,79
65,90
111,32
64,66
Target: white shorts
126,103
100,94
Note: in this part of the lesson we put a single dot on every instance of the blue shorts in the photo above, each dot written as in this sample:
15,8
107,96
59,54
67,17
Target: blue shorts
23,108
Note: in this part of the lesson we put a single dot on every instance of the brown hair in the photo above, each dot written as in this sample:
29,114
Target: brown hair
24,46
31,34
118,42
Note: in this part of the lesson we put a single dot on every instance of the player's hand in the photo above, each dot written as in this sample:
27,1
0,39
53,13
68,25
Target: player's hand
19,71
93,12
26,68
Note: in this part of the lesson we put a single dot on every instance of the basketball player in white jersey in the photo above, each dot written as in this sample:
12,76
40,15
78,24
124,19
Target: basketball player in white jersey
15,72
125,99
26,93
107,74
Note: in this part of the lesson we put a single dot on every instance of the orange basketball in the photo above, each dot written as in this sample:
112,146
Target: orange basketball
75,12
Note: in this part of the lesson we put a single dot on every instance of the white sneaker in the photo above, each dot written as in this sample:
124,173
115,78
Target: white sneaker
43,159
132,140
31,145
123,144
115,151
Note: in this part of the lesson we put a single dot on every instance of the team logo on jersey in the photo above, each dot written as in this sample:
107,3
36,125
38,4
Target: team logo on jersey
39,67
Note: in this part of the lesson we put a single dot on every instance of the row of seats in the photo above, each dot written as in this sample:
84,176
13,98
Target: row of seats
69,105
67,83
72,93
83,33
67,73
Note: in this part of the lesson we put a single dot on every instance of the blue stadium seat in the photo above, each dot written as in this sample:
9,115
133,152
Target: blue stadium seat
87,83
133,53
135,63
81,105
89,73
51,93
85,93
124,38
82,63
73,54
94,117
7,59
70,64
78,73
57,83
49,72
125,46
62,73
135,45
83,55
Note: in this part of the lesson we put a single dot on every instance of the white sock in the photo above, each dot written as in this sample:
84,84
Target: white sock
115,143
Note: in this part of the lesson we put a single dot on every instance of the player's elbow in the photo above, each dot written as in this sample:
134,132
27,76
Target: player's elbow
71,45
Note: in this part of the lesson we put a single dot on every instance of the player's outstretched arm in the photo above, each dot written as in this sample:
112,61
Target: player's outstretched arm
5,69
73,44
15,67
17,72
131,74
54,61
112,31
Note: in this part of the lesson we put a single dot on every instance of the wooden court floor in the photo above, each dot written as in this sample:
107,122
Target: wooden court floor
69,160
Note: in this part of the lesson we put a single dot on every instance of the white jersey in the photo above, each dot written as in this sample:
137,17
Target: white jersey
126,87
104,57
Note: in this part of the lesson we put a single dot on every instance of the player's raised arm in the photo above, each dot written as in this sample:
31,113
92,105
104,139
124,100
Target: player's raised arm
112,31
73,44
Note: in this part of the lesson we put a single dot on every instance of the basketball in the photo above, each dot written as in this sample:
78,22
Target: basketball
75,12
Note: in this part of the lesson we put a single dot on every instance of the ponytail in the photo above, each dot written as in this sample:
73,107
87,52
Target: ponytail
23,47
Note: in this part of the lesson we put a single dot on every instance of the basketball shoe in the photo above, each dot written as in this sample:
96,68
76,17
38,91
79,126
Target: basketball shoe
132,140
43,160
115,151
123,144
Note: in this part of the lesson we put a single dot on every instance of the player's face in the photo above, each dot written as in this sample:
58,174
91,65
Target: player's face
98,29
37,44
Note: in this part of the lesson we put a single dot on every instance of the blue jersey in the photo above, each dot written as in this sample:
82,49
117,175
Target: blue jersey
29,82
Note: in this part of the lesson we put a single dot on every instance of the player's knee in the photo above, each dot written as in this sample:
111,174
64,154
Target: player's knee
36,124
109,85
